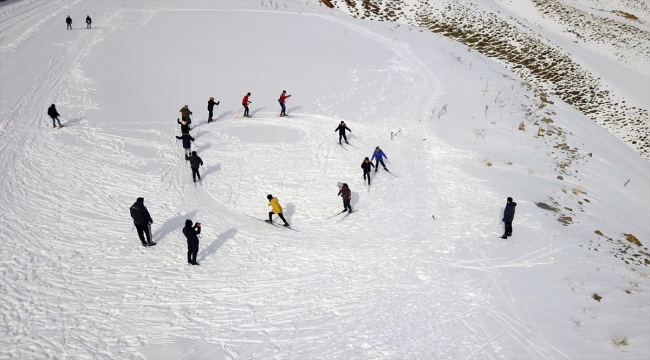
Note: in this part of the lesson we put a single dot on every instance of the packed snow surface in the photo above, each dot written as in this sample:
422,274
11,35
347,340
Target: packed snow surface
419,271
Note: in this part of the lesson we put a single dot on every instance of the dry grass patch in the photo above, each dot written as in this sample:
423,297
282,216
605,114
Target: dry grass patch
619,341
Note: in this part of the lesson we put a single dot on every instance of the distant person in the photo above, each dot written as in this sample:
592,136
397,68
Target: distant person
378,156
211,105
191,234
185,127
88,22
283,99
346,194
274,203
367,166
142,221
508,216
51,111
187,142
195,162
185,114
341,129
68,21
245,102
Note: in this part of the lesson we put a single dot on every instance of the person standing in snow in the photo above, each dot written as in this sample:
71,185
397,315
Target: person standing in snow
51,112
211,104
346,194
274,203
187,142
185,127
191,233
367,166
508,216
245,103
378,156
195,162
142,221
283,99
68,21
341,129
88,22
185,114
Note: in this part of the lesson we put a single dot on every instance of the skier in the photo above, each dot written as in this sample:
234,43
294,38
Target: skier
68,21
185,127
191,234
245,102
185,114
195,162
378,156
274,203
366,165
283,98
341,129
346,194
508,216
211,104
88,22
142,221
51,111
187,145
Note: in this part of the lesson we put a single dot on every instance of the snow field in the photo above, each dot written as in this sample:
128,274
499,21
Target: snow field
386,282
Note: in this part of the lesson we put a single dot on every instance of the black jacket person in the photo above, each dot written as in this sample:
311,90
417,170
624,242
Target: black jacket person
142,221
508,217
341,129
191,234
195,162
366,165
211,105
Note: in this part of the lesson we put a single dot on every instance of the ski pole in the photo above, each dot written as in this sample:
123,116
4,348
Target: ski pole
238,112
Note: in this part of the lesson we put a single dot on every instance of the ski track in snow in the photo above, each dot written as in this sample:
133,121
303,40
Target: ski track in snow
260,292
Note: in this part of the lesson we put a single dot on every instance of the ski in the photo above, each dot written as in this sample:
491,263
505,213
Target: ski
337,214
346,215
276,225
343,147
353,145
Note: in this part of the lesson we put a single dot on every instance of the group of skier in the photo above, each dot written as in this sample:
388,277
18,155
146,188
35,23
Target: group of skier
68,22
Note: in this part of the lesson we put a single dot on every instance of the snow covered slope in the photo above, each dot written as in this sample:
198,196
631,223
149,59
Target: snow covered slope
418,272
593,54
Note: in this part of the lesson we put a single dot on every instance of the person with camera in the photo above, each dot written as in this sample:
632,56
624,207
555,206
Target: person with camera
191,232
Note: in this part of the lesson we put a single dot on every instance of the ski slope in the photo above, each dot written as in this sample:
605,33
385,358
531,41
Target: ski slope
418,272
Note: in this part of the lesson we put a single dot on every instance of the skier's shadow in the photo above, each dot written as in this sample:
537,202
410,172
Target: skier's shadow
354,200
173,224
223,115
257,110
212,169
289,210
217,243
200,133
73,122
199,149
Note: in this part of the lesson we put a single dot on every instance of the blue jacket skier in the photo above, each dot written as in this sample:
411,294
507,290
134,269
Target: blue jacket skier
379,157
187,143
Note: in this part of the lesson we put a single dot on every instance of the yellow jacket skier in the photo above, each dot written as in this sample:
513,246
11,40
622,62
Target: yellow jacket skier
274,203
